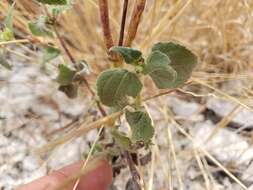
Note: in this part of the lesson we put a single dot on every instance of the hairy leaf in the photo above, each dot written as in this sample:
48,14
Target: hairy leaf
123,141
130,55
183,60
114,85
66,75
141,125
50,53
56,10
6,35
53,2
161,72
39,28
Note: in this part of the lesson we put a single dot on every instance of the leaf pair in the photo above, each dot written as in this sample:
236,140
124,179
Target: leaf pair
169,64
180,59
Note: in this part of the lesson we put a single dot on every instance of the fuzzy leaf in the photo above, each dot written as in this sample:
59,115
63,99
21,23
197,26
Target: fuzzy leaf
4,62
50,53
38,27
58,9
121,139
183,60
130,55
160,71
114,85
141,125
53,2
6,35
66,75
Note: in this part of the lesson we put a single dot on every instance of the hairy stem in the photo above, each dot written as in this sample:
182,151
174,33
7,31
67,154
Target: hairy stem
64,46
131,165
104,16
123,23
135,21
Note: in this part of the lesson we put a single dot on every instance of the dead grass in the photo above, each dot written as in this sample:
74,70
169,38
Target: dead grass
219,31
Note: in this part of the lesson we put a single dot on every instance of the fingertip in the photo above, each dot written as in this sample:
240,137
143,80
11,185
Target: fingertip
98,179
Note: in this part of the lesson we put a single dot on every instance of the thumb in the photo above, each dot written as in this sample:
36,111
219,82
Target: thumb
97,177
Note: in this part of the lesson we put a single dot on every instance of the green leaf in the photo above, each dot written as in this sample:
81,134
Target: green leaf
69,90
123,141
66,75
183,60
141,125
53,2
6,35
9,18
114,85
130,55
3,61
39,28
50,53
160,71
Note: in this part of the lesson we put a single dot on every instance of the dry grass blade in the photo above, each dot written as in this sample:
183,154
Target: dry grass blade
210,156
83,129
227,96
202,169
89,156
174,157
14,42
223,123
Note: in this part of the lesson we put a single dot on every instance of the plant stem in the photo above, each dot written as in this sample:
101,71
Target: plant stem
138,101
135,21
63,45
132,168
104,16
123,23
101,109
